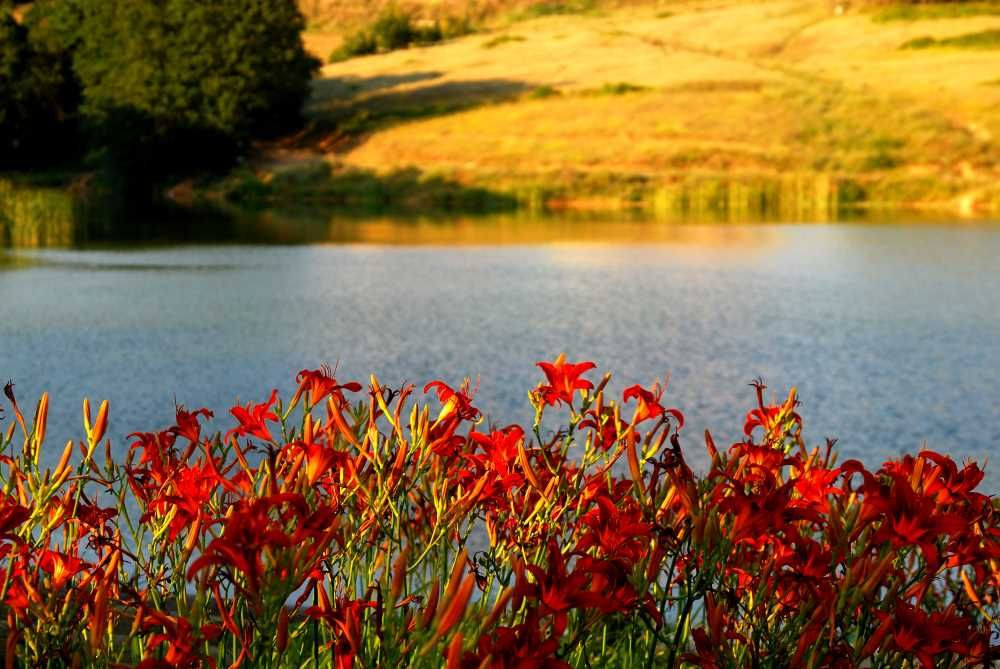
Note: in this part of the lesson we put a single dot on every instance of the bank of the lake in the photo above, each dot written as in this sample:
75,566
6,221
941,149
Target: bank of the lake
795,106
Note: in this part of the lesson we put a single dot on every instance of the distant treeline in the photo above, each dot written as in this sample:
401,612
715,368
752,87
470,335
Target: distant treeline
146,89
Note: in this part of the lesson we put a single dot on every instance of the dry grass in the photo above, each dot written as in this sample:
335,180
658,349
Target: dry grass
717,86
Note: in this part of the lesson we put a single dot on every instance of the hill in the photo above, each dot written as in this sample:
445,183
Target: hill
622,103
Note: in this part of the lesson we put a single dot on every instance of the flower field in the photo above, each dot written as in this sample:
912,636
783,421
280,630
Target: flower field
375,526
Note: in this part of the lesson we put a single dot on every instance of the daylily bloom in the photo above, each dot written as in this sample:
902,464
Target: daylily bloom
184,642
564,379
253,421
61,567
188,425
321,383
457,403
12,515
648,404
558,591
518,647
345,621
925,636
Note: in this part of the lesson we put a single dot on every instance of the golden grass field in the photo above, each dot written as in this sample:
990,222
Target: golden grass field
657,92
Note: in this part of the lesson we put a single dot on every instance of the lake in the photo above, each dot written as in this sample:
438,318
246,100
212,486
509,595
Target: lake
890,331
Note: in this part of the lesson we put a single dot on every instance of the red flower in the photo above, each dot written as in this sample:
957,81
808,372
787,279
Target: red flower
499,462
320,460
12,515
705,651
188,493
320,383
564,379
184,642
344,620
911,630
518,647
253,422
258,529
559,591
187,423
61,567
455,403
618,531
604,425
905,517
770,418
649,404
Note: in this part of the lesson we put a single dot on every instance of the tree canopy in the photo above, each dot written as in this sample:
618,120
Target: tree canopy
37,97
180,83
237,67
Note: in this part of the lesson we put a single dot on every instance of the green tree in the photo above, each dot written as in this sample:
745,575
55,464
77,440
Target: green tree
187,83
38,94
237,66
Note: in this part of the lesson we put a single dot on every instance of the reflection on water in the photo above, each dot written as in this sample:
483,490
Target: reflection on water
890,331
51,217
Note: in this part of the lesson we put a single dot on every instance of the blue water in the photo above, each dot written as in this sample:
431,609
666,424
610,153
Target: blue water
890,332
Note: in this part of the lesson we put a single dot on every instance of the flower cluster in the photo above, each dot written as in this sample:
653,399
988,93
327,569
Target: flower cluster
358,527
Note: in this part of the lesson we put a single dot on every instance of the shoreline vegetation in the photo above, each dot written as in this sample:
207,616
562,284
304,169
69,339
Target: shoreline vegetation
786,110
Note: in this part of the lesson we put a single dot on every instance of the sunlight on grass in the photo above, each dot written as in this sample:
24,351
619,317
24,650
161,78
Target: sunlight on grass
984,39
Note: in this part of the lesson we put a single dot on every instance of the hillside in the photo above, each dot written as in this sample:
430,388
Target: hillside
619,103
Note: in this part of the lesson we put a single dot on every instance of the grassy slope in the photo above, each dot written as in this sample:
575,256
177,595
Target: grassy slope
728,88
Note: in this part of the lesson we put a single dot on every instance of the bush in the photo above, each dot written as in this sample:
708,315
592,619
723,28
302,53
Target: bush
361,43
361,529
394,29
984,39
936,10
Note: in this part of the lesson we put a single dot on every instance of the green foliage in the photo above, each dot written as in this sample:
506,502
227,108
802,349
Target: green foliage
394,29
363,191
936,10
38,95
174,85
984,39
361,43
619,88
456,26
884,154
919,43
542,92
557,7
236,67
159,86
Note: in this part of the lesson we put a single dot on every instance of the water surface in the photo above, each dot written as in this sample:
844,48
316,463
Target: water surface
890,331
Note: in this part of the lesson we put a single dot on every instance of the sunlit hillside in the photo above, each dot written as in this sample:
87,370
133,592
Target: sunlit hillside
648,93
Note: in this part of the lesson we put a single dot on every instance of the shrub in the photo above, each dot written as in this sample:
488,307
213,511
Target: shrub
558,7
542,92
352,528
361,43
919,43
984,39
935,10
394,29
620,88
